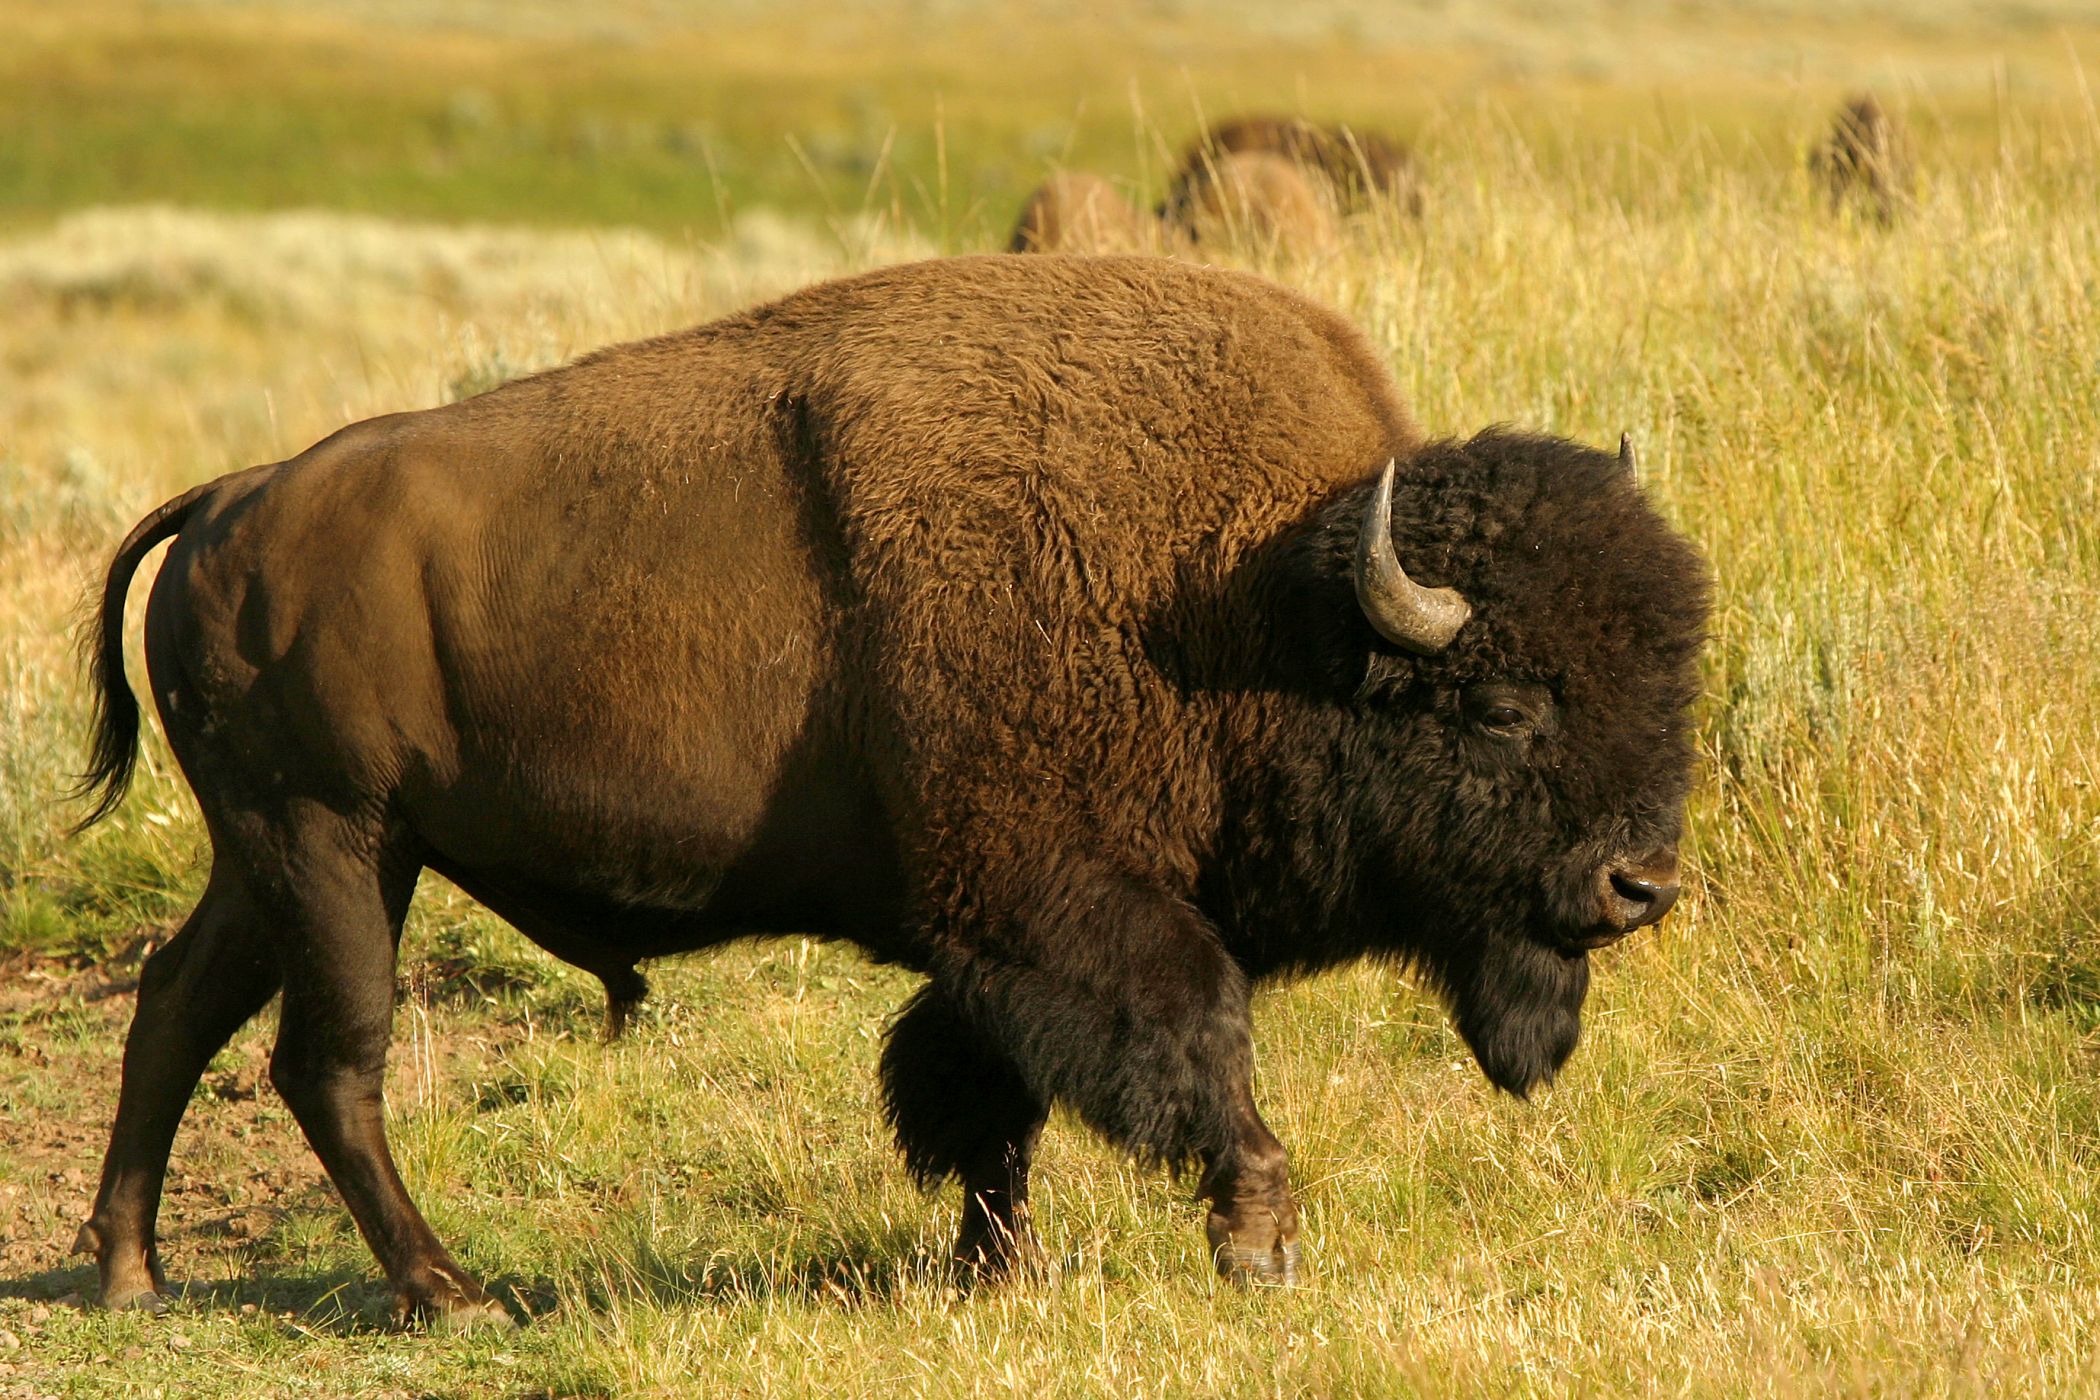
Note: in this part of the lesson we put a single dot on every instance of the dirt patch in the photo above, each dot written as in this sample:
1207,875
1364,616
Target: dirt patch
240,1168
30,984
62,1033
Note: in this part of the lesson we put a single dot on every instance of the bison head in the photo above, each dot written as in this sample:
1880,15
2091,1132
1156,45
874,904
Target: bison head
1517,750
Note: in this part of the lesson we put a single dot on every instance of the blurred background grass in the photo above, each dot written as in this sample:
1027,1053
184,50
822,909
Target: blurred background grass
671,116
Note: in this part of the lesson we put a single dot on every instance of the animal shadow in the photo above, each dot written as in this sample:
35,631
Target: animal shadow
852,1274
337,1302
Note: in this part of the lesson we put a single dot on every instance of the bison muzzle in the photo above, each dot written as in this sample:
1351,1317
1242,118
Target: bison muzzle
1096,636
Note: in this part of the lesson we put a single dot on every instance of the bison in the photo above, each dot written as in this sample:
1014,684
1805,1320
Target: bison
1866,157
1360,165
1074,212
1256,200
1096,636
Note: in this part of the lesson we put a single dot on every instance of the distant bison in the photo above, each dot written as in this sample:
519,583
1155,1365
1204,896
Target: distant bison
1867,158
1253,200
1362,166
1074,212
1096,636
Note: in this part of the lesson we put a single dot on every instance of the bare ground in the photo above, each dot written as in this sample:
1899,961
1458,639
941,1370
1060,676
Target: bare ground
242,1187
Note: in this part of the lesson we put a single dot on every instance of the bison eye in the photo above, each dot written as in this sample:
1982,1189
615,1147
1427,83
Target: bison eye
1507,709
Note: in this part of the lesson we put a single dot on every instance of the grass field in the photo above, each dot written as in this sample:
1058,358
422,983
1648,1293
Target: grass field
1835,1126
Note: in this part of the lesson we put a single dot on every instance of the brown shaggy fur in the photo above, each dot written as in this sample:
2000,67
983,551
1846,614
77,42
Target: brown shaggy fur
995,614
1074,212
1360,165
1867,158
1257,201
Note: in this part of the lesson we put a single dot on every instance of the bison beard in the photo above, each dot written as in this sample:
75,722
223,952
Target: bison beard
1096,636
1519,1007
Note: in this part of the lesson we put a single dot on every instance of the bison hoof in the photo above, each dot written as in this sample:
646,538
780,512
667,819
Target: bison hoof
446,1301
1004,1255
131,1280
1276,1266
474,1317
144,1300
452,1314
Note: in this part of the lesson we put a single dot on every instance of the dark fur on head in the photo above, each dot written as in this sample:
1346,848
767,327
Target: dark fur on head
1412,832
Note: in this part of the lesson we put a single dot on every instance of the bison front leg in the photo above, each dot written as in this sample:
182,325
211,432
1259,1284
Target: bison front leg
1253,1221
1118,1000
961,1109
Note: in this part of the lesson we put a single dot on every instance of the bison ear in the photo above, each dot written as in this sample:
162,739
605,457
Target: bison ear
1627,461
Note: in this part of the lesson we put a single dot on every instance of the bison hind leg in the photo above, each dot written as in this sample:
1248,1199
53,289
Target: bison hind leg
194,993
336,911
961,1109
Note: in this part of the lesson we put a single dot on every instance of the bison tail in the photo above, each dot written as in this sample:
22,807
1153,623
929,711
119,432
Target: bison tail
115,749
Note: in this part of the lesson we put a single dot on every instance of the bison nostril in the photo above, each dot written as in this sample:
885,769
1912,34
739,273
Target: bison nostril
1633,888
1644,900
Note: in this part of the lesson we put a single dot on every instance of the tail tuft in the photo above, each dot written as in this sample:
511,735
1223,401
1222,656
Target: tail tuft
114,753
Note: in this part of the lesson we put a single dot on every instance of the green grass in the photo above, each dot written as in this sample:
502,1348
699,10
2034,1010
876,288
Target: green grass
1834,1127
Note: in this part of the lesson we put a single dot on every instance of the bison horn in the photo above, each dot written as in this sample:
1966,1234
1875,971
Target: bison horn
1627,463
1404,612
